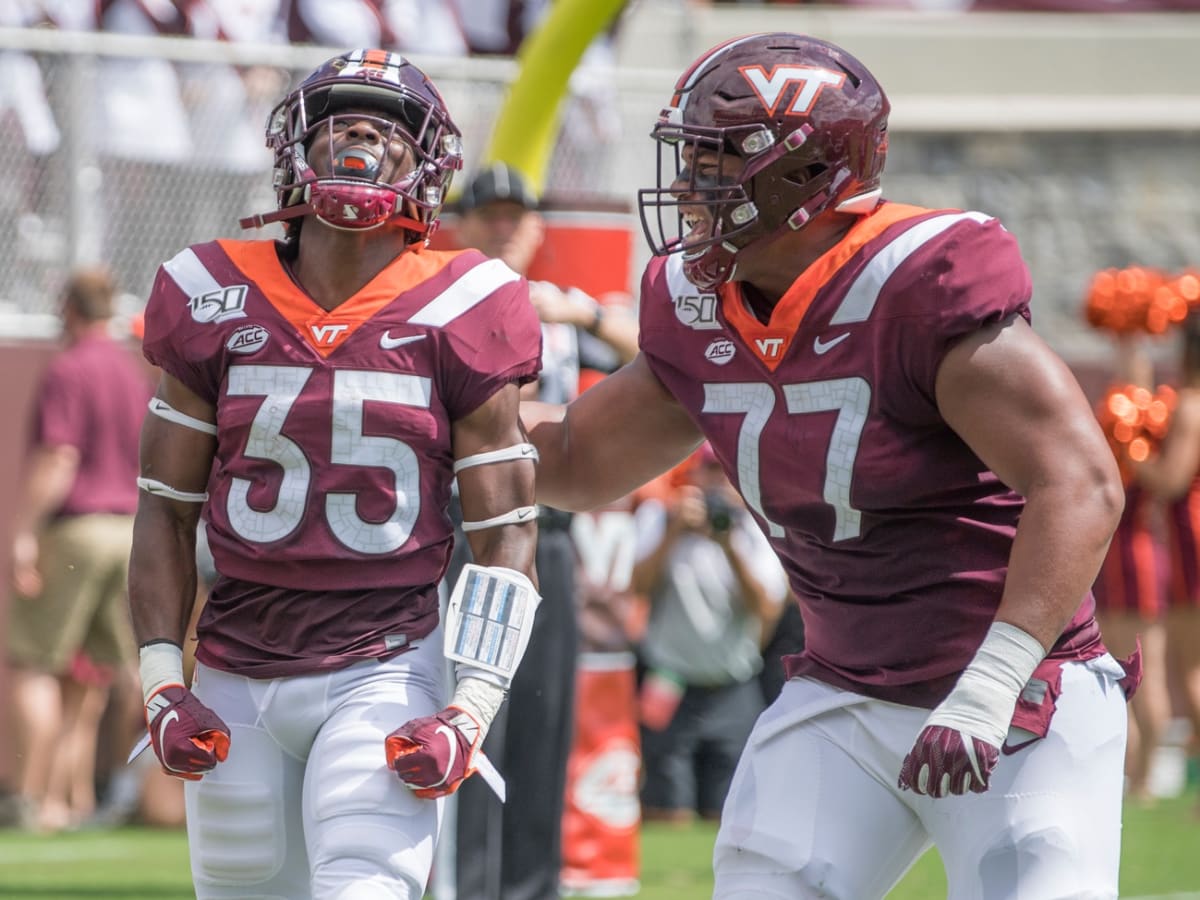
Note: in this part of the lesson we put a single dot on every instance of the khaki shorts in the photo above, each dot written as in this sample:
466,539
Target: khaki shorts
85,564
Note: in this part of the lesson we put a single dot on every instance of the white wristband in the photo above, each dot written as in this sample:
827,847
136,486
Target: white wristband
480,697
982,702
159,664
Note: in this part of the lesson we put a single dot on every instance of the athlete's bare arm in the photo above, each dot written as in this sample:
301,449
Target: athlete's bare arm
1020,409
491,490
613,438
1171,472
162,568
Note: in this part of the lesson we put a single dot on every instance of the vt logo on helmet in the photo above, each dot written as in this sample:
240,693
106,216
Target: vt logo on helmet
364,141
763,134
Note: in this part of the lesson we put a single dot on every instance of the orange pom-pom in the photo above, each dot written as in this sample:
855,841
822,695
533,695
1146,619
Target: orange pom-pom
1134,299
1134,421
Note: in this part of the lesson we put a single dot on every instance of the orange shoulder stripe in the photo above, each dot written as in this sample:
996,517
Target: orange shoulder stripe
326,330
771,340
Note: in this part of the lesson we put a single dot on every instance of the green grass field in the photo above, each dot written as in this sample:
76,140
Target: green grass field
1161,859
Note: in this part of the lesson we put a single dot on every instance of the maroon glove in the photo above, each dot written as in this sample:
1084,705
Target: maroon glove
189,739
947,761
433,754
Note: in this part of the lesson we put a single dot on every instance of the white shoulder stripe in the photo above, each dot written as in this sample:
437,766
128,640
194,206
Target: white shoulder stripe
190,275
860,299
677,282
468,291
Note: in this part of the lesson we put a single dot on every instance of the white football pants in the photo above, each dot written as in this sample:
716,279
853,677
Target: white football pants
305,807
814,809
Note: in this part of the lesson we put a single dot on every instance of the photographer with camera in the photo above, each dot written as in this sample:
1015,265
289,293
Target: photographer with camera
715,589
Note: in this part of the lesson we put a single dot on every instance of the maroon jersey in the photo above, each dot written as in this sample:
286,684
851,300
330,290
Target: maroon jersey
93,398
327,500
894,534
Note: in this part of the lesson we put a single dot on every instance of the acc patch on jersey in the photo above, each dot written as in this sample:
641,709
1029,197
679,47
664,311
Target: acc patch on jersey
248,339
720,351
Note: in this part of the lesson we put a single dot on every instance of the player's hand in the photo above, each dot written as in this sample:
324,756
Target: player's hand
959,746
946,761
433,755
189,739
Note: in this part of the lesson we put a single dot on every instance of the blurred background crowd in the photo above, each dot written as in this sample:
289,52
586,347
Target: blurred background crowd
132,128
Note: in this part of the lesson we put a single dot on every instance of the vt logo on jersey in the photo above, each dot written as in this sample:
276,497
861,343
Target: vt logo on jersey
770,346
326,335
219,305
809,81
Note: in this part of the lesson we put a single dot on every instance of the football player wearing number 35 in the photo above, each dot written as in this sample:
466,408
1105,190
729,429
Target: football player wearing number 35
319,395
927,469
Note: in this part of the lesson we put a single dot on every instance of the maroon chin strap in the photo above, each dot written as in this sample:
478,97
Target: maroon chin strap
348,205
278,215
305,209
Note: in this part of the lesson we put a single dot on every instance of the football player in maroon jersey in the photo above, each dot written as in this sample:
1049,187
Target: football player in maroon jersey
319,394
927,469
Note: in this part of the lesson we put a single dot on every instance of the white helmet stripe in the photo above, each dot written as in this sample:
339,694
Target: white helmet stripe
702,65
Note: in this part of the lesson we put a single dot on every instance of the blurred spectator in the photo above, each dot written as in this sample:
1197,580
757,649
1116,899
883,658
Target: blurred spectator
1173,474
226,107
513,852
1131,596
23,101
69,629
143,138
498,27
141,110
499,216
715,587
427,27
26,113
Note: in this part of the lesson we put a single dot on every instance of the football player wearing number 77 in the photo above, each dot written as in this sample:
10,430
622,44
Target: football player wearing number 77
927,469
319,395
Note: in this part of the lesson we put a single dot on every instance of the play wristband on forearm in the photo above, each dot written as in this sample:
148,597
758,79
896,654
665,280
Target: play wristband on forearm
160,663
489,620
982,702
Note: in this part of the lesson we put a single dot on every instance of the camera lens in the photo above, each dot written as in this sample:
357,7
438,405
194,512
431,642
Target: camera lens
720,514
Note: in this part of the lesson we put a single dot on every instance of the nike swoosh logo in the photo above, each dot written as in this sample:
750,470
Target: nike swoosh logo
821,347
387,342
525,514
172,716
452,740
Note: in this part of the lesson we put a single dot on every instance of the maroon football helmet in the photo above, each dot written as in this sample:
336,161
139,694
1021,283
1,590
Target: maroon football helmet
356,194
807,118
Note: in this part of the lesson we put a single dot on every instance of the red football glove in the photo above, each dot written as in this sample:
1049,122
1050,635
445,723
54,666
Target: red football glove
946,761
433,754
189,739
